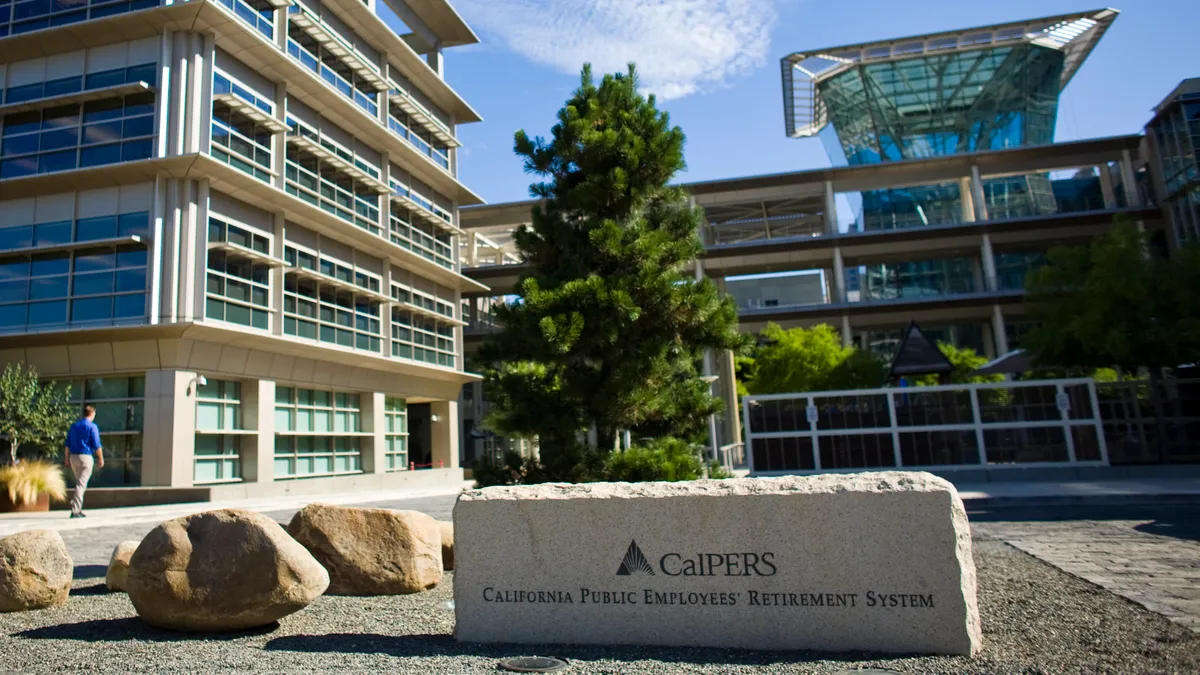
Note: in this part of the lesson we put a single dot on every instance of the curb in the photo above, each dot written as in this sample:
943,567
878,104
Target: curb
1179,499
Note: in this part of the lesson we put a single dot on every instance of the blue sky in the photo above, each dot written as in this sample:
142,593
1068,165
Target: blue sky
716,63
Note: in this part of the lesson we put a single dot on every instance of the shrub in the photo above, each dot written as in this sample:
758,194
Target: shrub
27,480
669,459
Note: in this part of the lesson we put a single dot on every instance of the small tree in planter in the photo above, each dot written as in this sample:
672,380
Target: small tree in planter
35,415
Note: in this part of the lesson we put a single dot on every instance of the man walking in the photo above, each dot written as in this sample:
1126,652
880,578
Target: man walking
83,448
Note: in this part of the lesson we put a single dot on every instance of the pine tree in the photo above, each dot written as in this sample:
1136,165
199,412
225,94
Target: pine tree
608,331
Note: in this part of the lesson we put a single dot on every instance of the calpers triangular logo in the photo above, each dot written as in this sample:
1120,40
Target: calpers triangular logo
634,561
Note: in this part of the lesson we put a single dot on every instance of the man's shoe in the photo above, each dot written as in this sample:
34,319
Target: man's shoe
81,514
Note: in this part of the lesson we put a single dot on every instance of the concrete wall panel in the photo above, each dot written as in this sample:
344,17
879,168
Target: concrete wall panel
205,356
91,358
135,355
17,211
55,360
233,360
102,202
51,208
226,207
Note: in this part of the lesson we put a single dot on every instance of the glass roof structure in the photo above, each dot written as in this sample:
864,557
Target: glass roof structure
979,88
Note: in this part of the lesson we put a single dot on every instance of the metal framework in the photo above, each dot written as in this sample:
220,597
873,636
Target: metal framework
1000,425
806,113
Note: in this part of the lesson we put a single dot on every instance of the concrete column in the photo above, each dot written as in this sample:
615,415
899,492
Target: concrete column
999,332
1128,180
281,29
839,275
445,434
277,274
374,453
436,62
989,345
733,420
473,249
169,431
847,335
988,260
1106,187
831,221
258,414
279,141
967,198
977,197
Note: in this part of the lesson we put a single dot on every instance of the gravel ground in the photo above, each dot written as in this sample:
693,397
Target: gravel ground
1036,619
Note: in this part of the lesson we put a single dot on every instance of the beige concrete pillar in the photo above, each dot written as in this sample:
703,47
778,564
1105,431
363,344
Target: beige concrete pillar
988,260
977,197
831,221
374,420
1106,187
989,345
1128,180
839,275
967,199
169,431
847,335
999,332
445,433
258,414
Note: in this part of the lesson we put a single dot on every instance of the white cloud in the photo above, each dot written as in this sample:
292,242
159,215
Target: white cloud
680,46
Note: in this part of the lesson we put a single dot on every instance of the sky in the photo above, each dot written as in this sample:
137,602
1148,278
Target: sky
714,66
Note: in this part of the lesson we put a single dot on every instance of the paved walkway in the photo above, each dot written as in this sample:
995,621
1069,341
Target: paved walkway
1153,561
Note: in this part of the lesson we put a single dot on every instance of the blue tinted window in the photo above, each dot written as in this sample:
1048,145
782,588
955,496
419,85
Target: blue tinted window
109,10
26,92
131,150
14,291
52,233
70,17
93,284
92,309
139,126
131,257
31,25
139,104
19,145
51,263
61,116
95,260
41,288
60,138
100,154
131,280
15,168
147,72
103,132
21,123
14,268
108,109
91,229
135,224
130,305
106,78
48,312
12,316
57,161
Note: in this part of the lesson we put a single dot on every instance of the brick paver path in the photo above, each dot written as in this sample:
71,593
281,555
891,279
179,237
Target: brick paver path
1130,558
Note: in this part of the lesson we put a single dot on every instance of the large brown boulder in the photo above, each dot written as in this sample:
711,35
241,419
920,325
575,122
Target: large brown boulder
221,571
447,544
118,565
371,551
35,571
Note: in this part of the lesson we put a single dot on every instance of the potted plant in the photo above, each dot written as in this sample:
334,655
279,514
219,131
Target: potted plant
30,485
34,415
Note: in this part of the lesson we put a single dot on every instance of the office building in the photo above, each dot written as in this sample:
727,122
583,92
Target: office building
945,189
232,226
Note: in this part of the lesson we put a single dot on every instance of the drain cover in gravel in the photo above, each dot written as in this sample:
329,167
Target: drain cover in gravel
533,664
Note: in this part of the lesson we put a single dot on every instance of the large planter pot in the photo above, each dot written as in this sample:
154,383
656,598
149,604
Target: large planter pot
42,503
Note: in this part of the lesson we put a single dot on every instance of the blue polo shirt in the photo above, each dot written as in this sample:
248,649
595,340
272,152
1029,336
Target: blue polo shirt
83,438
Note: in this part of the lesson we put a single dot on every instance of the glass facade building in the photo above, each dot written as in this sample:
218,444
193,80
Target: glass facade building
1175,133
237,234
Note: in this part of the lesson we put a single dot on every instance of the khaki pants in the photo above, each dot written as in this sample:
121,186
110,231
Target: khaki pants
81,466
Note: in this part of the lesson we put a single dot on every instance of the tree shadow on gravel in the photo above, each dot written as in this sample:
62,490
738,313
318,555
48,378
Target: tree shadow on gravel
129,628
90,571
445,645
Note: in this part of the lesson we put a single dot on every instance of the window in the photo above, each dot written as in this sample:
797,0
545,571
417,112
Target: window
258,13
31,15
421,238
396,434
421,338
217,455
325,186
120,406
330,312
238,140
119,129
325,64
238,290
407,127
317,433
104,286
16,235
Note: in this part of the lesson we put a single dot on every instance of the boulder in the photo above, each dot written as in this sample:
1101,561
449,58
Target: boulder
371,551
118,565
35,571
221,570
447,544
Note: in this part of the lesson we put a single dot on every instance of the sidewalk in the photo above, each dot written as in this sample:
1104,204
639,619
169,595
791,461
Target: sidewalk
11,523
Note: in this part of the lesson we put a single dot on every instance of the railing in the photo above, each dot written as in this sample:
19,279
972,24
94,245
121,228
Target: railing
993,425
341,84
440,158
263,23
1151,422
